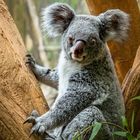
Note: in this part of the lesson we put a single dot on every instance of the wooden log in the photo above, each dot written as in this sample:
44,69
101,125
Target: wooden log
123,54
19,90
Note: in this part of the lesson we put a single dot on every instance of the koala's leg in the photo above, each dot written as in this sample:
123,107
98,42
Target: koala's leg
85,118
44,75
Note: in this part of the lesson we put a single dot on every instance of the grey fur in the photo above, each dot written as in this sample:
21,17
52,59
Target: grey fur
89,90
115,24
56,18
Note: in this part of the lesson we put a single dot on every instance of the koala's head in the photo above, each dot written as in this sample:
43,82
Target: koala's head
84,36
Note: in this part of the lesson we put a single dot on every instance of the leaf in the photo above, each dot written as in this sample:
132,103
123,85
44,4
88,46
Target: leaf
138,135
95,130
136,98
77,136
120,133
130,137
132,121
124,121
80,136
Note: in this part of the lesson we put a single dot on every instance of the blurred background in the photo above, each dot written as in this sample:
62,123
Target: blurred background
45,50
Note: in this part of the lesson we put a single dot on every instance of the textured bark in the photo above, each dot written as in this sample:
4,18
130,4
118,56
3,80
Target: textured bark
123,54
19,91
17,8
131,88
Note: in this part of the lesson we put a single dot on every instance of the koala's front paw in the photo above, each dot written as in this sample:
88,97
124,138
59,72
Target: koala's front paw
39,127
30,61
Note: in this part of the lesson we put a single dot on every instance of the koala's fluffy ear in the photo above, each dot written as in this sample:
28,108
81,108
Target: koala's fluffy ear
56,18
114,25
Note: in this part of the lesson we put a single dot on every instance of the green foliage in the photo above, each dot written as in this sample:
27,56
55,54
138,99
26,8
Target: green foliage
138,136
126,134
136,98
120,133
79,135
132,122
95,130
123,131
124,122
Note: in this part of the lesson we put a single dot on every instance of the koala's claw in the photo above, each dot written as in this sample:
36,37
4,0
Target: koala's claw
41,130
32,117
38,127
30,60
35,113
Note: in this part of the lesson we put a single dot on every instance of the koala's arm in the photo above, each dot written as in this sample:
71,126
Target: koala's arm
66,108
44,75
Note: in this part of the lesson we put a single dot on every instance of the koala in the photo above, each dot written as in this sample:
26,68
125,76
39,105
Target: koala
88,88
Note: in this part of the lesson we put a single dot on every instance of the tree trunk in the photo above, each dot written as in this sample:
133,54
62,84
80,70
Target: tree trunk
17,8
123,54
19,90
131,88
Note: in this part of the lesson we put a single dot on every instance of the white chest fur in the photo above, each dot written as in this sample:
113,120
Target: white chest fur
66,69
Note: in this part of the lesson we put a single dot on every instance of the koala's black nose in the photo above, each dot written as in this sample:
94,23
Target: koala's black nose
78,49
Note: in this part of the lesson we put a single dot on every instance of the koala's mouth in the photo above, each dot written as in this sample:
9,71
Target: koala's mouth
78,58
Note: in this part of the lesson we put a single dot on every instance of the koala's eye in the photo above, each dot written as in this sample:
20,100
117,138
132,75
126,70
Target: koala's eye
70,40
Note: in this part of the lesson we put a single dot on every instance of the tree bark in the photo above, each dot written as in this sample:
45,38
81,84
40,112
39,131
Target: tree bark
123,54
131,88
19,90
17,8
